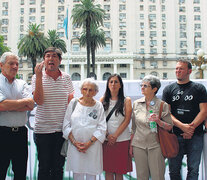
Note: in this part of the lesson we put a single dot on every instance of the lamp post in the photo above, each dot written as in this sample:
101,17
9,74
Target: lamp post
200,63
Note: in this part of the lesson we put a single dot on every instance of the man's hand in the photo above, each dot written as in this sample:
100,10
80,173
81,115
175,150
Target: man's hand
38,69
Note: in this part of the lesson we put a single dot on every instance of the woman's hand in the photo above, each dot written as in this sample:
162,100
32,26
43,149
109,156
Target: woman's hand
155,118
82,147
111,139
131,151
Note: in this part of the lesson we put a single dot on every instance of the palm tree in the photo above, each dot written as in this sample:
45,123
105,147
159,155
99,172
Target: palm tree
97,40
33,44
55,41
85,14
3,48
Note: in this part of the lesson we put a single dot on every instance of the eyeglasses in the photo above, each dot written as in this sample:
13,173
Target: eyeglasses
144,85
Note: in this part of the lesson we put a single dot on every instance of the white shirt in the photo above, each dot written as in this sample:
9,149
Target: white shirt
84,123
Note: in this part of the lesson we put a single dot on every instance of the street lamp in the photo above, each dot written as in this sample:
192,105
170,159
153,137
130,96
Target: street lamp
200,63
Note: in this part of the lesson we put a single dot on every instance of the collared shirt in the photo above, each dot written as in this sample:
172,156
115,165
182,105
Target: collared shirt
50,115
18,89
143,137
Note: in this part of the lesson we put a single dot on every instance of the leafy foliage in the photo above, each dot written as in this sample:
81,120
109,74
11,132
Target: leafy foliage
3,48
33,44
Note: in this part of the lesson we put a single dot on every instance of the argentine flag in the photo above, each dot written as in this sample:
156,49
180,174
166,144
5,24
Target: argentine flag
65,24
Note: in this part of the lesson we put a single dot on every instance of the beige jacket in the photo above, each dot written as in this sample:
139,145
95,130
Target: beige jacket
143,137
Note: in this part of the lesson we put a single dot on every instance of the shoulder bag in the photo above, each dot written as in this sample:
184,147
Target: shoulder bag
168,141
64,148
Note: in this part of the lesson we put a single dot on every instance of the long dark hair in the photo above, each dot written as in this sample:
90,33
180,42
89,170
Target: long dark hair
107,96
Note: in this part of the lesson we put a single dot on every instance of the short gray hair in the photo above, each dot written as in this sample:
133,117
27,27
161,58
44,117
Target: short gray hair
5,55
153,80
90,81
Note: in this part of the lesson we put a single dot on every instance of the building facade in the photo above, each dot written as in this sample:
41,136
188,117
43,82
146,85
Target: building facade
143,36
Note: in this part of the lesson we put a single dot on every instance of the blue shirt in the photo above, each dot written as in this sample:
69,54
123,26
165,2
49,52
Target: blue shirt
18,89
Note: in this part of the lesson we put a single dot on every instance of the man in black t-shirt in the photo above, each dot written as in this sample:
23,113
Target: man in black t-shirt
188,102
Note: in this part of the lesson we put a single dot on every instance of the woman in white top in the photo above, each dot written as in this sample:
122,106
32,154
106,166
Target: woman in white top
85,127
116,159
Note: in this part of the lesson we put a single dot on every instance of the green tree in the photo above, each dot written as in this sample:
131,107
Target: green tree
3,48
33,44
98,39
85,14
55,41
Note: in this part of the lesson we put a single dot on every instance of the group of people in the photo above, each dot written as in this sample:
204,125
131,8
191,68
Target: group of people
100,138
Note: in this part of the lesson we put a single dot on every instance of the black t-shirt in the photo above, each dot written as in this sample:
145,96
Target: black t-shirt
184,100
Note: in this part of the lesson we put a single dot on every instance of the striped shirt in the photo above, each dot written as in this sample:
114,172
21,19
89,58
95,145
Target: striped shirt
50,115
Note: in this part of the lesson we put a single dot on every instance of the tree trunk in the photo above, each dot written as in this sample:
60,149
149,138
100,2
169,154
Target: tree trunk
33,59
93,57
88,39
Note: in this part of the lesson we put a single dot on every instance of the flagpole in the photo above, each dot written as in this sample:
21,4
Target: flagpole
68,44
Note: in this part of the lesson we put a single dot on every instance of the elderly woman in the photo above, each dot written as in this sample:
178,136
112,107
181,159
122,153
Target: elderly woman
145,146
85,126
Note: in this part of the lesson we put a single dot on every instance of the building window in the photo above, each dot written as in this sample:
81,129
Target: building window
142,75
163,33
22,11
4,30
152,8
60,26
196,1
164,63
182,9
197,9
42,2
152,17
122,50
107,8
164,43
198,34
197,17
60,9
21,28
32,2
164,75
5,21
32,10
22,2
107,16
142,51
42,27
141,16
4,12
197,44
122,24
141,7
5,37
154,73
142,33
61,1
122,42
21,19
163,8
122,7
123,75
163,17
122,33
152,25
76,77
183,35
183,44
163,25
76,34
107,48
197,26
142,25
60,17
42,18
182,18
181,1
142,64
183,27
107,65
60,34
183,51
122,16
42,9
164,51
31,19
106,76
76,66
153,50
107,34
5,5
107,25
153,34
153,43
76,47
141,42
123,65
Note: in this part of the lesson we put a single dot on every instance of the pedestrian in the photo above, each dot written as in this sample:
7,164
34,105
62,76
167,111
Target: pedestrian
85,126
15,101
116,158
52,90
145,146
188,103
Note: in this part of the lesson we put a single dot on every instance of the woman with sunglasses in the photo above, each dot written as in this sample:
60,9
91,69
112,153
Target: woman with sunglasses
144,145
116,158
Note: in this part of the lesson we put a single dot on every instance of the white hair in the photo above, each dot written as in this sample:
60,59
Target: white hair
90,81
6,54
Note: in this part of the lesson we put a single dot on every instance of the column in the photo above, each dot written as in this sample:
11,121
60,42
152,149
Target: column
131,71
67,68
115,68
82,72
99,72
